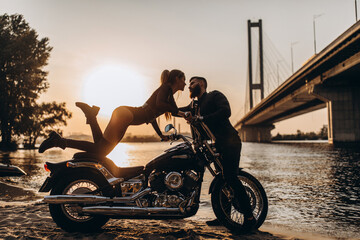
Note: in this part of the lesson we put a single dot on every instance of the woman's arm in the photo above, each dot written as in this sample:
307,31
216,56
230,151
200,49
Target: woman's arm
165,101
180,114
158,131
156,127
184,109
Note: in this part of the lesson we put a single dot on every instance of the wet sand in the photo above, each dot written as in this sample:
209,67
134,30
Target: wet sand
27,217
34,221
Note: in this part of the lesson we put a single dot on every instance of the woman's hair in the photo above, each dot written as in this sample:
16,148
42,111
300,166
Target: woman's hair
169,77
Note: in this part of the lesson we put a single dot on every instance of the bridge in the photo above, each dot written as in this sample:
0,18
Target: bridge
329,79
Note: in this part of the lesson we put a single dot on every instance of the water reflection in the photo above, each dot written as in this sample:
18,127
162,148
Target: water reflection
346,185
120,155
5,158
311,187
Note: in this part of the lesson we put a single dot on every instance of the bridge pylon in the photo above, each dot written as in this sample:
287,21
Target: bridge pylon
255,133
255,86
343,105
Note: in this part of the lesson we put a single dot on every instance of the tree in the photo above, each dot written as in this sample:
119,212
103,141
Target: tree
22,78
323,134
40,120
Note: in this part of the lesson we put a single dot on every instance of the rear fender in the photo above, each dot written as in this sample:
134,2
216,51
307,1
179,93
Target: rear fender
62,173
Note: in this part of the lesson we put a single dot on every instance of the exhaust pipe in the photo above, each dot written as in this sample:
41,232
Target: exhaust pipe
131,211
92,199
67,199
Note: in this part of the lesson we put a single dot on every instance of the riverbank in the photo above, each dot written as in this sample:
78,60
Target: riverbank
33,221
24,216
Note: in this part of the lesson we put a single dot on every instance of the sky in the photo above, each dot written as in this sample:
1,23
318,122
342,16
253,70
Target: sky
111,52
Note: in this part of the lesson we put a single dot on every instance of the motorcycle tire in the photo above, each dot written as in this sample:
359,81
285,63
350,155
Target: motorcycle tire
228,215
65,215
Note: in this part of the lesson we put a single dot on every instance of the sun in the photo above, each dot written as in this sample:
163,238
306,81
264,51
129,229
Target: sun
112,85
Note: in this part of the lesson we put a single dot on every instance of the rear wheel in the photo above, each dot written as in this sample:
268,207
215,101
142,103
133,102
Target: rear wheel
228,215
69,216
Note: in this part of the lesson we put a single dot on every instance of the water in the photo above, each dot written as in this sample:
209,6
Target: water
311,187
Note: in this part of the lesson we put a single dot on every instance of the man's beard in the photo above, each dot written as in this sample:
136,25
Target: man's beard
195,91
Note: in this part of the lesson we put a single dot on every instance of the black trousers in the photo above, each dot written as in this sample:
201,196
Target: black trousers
230,149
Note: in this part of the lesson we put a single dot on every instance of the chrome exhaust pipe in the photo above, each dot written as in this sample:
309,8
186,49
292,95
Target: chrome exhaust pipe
92,199
131,211
67,199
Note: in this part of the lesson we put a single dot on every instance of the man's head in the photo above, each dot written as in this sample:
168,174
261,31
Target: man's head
197,86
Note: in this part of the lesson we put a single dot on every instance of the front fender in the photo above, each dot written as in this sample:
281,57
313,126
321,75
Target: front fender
61,174
217,179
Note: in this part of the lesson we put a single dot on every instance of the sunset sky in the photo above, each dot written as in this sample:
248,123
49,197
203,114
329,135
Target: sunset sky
112,52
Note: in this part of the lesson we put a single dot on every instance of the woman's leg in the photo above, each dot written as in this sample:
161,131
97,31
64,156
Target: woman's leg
102,147
90,114
119,122
95,129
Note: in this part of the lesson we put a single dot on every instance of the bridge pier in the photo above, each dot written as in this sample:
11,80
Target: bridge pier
343,104
256,133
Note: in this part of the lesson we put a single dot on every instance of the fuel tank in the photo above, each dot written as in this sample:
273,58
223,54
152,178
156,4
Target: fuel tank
179,157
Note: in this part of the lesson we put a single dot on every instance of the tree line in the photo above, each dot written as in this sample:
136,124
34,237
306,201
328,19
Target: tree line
23,57
321,135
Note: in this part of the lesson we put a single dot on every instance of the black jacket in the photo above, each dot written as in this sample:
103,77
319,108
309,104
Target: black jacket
215,109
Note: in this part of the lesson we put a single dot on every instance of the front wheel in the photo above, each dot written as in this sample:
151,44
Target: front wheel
68,216
226,213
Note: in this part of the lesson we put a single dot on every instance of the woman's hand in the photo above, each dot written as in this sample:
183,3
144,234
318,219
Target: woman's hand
164,138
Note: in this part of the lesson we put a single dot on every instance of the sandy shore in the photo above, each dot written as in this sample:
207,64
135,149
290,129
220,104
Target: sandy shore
32,220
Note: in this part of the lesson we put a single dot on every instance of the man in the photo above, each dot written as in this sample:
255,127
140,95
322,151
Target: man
215,112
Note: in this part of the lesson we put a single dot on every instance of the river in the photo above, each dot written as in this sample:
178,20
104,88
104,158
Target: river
311,186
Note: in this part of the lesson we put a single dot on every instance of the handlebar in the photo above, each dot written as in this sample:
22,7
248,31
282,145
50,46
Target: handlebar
175,137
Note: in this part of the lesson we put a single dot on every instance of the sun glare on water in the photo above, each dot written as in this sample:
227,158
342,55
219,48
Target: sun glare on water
120,155
111,86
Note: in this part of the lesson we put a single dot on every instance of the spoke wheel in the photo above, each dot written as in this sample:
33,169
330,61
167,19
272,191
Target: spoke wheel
82,186
69,216
231,217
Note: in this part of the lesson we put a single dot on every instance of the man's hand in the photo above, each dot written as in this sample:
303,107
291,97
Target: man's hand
188,116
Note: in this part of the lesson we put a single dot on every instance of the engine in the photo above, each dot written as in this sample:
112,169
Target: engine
172,187
174,181
164,200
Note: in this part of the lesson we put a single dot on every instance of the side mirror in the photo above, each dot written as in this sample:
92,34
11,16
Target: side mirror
169,127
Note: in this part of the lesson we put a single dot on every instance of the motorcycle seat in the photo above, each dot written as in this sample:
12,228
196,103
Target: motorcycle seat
119,172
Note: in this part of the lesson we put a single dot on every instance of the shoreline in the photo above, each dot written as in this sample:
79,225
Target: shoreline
24,215
34,221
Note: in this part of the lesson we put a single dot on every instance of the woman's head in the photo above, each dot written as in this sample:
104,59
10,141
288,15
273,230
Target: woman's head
175,78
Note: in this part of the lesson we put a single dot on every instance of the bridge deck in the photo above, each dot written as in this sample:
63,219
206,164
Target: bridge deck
337,64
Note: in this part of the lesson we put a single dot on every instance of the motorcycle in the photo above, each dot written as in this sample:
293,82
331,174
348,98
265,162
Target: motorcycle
88,190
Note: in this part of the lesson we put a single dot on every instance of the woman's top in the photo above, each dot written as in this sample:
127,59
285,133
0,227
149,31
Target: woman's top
161,101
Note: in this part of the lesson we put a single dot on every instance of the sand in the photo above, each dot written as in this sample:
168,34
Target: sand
33,221
27,217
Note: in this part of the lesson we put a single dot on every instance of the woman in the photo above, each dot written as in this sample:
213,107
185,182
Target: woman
161,101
